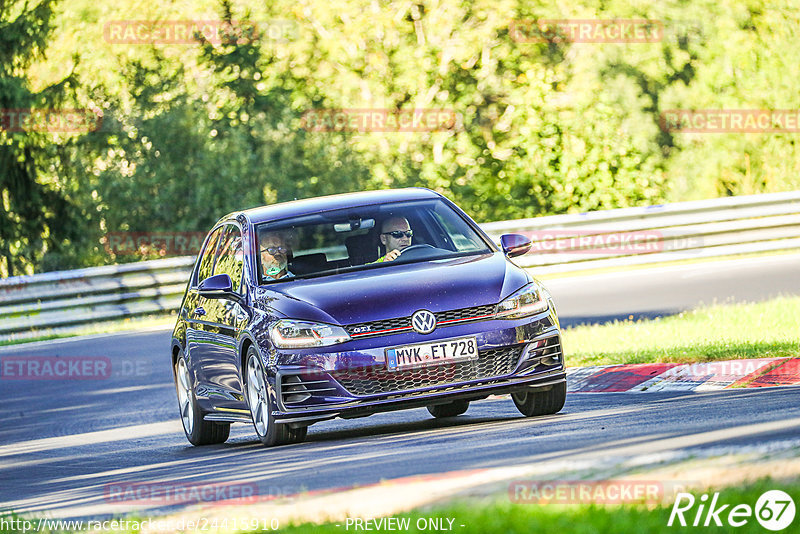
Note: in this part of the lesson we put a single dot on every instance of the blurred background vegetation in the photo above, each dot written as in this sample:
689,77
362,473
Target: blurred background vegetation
192,131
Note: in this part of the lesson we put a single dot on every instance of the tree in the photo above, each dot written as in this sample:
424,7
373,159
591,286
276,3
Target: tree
37,216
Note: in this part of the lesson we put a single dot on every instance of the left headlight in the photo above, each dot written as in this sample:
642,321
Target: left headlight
529,300
292,334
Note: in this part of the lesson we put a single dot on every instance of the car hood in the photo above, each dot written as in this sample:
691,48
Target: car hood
398,290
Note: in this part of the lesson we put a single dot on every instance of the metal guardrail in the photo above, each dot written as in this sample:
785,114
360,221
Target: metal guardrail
66,301
62,302
669,232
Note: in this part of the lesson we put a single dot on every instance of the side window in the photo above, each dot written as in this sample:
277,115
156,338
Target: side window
208,255
231,256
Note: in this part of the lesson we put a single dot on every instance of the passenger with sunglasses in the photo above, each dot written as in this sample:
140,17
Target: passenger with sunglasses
274,256
395,236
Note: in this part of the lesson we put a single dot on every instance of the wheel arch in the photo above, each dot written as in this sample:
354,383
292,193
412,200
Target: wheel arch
177,347
246,341
244,348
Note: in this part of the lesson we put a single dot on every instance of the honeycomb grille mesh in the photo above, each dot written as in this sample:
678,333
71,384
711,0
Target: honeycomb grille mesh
376,326
490,363
465,313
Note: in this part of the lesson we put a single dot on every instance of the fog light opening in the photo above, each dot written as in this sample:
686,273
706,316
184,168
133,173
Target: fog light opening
551,360
293,390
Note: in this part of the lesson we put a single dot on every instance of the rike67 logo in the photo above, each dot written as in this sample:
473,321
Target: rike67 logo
774,510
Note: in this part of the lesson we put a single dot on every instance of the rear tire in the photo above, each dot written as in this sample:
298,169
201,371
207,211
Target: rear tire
197,430
532,403
448,410
261,405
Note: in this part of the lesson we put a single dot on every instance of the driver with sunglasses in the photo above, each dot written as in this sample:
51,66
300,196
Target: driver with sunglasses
395,236
274,256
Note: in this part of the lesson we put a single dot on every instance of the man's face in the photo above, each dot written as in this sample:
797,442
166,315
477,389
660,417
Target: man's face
397,241
273,255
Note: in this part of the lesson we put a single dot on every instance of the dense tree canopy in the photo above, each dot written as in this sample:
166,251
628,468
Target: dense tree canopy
37,215
219,120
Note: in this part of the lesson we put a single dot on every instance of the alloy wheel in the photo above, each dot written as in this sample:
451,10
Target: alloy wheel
185,396
257,396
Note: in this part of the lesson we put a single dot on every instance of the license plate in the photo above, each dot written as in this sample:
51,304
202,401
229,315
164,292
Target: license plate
424,354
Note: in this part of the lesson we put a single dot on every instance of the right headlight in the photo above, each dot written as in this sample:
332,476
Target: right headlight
529,300
294,334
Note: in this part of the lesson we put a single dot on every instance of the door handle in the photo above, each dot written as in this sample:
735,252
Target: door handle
199,311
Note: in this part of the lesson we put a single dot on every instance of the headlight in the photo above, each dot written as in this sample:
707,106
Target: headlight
291,334
527,301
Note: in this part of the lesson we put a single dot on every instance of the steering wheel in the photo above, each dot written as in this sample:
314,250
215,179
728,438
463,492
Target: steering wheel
416,251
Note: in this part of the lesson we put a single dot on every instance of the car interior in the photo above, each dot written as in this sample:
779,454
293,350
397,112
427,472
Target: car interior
320,245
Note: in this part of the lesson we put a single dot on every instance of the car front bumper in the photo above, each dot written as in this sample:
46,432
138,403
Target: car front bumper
518,355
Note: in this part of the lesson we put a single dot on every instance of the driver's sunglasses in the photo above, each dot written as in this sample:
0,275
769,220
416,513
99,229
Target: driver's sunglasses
275,250
397,234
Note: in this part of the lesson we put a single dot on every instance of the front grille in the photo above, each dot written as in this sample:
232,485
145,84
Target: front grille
378,327
490,363
403,324
464,314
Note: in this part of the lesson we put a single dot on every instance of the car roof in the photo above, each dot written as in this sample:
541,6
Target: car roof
310,206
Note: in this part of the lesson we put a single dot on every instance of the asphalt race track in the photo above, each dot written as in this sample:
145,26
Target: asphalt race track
649,293
65,444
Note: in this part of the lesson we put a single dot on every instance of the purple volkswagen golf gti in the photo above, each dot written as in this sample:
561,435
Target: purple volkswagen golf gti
349,305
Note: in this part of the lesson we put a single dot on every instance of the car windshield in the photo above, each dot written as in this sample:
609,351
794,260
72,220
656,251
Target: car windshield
364,237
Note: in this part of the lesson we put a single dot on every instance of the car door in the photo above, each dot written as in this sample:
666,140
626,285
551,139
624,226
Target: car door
197,340
224,320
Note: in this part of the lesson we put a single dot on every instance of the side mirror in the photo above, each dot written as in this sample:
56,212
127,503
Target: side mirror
216,287
515,244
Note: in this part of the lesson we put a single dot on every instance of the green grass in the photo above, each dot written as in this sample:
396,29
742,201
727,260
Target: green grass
722,332
502,516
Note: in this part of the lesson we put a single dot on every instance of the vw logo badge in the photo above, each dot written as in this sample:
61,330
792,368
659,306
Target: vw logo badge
423,321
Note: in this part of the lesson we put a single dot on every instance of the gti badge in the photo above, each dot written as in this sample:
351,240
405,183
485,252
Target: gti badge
423,321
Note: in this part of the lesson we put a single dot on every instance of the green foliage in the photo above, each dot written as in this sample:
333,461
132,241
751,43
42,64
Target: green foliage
36,215
194,130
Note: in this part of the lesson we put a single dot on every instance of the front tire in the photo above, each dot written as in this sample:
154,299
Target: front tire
532,403
197,430
448,410
258,399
